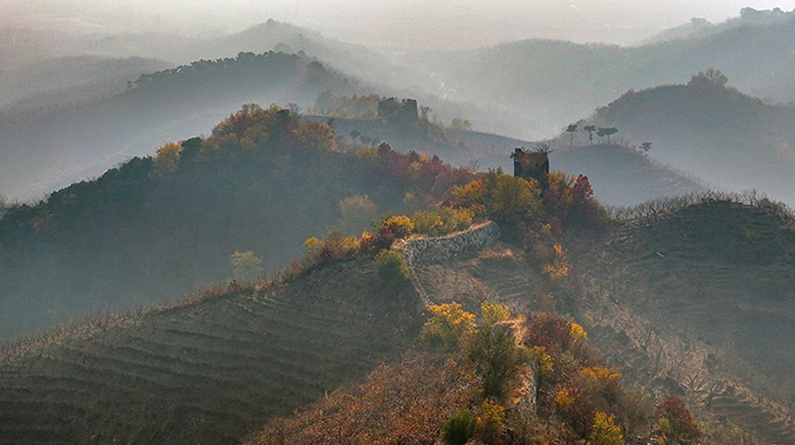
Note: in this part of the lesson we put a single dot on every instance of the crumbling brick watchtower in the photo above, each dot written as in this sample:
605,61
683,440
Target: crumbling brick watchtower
530,165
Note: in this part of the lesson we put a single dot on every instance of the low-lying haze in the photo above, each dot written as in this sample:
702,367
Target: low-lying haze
416,24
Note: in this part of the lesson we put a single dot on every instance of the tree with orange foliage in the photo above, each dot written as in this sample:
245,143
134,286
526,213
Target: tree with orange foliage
676,423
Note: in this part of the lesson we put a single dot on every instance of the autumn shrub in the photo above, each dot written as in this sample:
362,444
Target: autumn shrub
604,430
600,383
459,428
447,324
167,158
491,422
440,222
315,135
391,267
506,199
676,423
496,357
391,228
550,331
494,313
559,266
400,226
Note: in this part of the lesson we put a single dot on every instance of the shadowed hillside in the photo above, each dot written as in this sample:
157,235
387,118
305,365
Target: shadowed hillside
207,371
154,228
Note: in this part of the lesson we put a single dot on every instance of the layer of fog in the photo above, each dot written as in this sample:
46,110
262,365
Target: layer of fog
424,24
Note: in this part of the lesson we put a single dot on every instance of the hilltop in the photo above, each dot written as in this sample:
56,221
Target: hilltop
711,130
45,149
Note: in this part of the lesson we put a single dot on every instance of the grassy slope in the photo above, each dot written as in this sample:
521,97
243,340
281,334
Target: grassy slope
206,372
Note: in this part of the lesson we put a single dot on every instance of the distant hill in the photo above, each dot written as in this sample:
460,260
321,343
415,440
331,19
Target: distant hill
543,85
712,131
41,150
70,80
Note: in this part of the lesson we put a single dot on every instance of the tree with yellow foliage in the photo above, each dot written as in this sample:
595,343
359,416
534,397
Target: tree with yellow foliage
447,324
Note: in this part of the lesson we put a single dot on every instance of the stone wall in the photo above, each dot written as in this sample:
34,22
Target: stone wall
418,251
444,248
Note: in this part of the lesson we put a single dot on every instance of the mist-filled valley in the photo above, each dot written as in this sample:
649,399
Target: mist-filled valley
270,234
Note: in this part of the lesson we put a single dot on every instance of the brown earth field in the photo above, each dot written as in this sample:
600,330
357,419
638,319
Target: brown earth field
206,371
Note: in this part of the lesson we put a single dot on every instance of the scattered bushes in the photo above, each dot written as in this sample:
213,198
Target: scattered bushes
676,423
656,208
442,221
405,404
605,431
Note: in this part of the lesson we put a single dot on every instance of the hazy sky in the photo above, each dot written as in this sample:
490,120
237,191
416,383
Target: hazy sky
418,23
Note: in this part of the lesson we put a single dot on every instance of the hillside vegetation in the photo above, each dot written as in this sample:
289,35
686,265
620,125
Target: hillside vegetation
156,227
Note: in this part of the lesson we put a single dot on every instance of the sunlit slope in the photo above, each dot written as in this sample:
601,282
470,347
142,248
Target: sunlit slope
697,302
205,372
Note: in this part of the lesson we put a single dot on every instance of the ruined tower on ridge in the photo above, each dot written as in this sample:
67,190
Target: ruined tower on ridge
402,112
530,164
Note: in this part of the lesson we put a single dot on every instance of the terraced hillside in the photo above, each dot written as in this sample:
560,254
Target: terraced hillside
697,302
205,372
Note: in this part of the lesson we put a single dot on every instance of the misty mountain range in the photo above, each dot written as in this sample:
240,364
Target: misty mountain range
527,89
